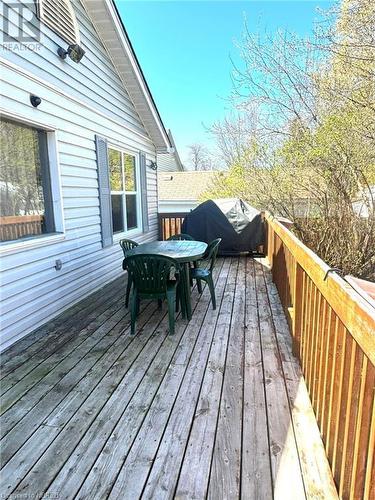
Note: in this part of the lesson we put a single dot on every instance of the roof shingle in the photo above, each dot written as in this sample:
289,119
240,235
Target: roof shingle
184,185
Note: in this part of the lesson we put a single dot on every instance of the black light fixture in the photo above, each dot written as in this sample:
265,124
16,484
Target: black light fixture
35,100
152,165
74,51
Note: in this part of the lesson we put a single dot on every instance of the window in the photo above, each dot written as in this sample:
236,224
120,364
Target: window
123,172
25,187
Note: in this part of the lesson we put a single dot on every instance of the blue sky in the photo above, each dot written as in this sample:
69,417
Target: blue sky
184,48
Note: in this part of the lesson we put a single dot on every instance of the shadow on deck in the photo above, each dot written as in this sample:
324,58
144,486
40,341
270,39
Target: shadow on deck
218,410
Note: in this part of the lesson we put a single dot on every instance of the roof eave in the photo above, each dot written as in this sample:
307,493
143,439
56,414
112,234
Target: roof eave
177,201
176,155
110,28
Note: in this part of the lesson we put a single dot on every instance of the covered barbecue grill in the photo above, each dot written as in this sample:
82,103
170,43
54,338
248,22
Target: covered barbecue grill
239,225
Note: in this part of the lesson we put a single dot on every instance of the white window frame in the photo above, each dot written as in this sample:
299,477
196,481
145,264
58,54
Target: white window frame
14,246
137,230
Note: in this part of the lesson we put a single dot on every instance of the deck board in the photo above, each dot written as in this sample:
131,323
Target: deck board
256,480
42,341
226,460
283,448
218,410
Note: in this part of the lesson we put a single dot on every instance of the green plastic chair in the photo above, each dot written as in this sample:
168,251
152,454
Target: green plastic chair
127,245
181,237
205,274
150,275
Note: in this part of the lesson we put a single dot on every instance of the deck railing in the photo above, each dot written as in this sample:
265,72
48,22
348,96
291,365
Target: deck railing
170,224
333,331
17,226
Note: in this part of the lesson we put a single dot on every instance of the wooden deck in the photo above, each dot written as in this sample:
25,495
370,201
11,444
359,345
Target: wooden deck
219,410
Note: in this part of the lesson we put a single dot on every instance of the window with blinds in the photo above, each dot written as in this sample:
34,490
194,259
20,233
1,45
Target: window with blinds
59,16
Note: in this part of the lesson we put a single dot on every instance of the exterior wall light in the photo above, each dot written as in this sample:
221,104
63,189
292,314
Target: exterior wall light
35,100
152,165
74,51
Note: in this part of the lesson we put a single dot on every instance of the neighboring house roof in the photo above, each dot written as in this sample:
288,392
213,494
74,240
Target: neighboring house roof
112,32
181,186
365,288
170,162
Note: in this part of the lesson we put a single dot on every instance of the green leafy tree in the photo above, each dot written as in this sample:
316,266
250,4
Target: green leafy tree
312,153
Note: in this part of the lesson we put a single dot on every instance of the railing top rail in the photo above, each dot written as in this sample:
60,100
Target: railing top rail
166,215
357,315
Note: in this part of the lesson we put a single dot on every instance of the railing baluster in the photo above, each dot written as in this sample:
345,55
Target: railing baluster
336,389
307,352
364,442
322,361
328,376
298,299
351,415
304,318
312,337
318,350
369,491
343,396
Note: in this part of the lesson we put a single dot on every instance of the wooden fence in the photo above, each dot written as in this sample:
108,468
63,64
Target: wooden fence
14,227
170,224
333,330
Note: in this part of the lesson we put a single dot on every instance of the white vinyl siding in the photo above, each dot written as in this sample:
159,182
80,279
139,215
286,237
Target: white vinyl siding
167,163
78,102
94,80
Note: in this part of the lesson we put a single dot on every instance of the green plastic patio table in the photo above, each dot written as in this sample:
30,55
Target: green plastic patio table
183,252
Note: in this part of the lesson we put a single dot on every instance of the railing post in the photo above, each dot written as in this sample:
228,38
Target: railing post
160,227
270,247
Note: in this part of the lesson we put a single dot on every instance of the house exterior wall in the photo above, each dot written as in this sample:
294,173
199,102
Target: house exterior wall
167,163
78,102
174,206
